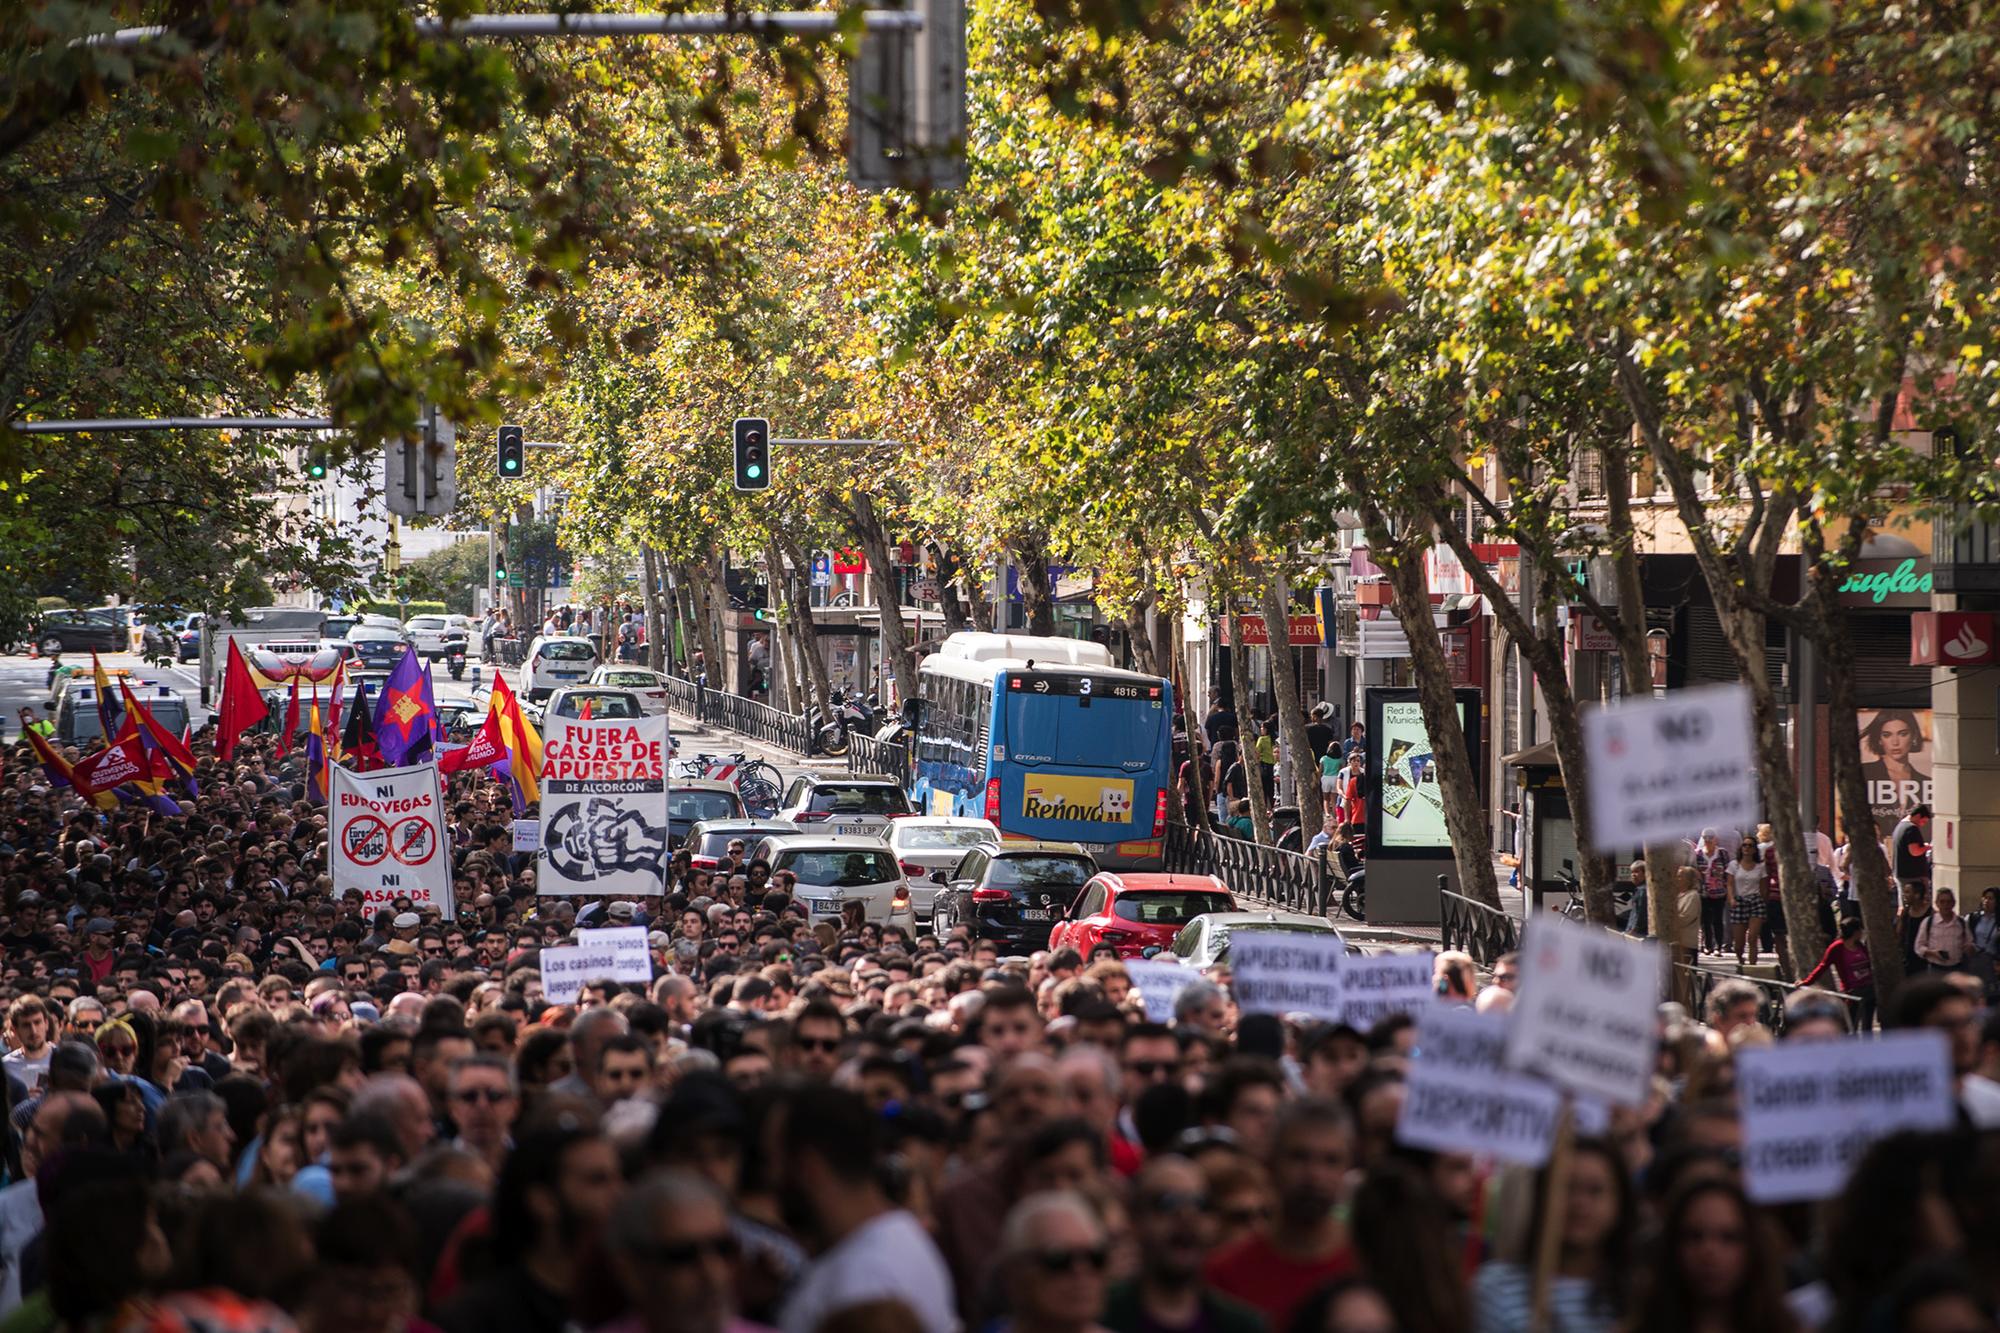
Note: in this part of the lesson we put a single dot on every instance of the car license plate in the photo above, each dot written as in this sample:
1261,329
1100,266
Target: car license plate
855,830
828,905
1034,914
567,675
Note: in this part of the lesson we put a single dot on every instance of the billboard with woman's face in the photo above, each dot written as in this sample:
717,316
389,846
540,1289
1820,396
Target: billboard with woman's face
1895,761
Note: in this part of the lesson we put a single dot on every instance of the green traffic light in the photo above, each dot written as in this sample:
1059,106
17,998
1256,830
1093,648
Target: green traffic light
753,471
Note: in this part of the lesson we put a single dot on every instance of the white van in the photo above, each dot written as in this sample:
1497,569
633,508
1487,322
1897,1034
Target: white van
552,661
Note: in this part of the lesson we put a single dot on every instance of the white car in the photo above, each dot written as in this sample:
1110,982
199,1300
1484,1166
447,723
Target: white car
852,806
568,701
926,844
1204,940
835,871
432,636
555,660
649,685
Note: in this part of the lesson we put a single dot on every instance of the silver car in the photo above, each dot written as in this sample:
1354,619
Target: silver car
927,844
835,871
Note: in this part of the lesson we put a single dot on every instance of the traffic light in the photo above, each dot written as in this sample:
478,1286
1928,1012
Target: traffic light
753,454
499,566
513,451
316,465
765,615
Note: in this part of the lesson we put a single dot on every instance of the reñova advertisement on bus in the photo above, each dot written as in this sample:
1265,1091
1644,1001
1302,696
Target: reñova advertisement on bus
1090,799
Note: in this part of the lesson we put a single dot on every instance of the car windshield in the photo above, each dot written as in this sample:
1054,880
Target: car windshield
567,650
693,805
1220,933
427,622
923,838
845,869
171,714
339,627
372,633
716,843
1170,907
642,680
601,706
1017,872
874,799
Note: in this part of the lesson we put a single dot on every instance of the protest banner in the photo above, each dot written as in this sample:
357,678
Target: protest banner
1458,1097
1663,769
388,837
527,835
1284,972
1374,986
618,952
1586,1014
604,807
1159,985
1811,1109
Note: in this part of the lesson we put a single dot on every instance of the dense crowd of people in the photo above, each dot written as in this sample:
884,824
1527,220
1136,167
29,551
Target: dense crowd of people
241,1100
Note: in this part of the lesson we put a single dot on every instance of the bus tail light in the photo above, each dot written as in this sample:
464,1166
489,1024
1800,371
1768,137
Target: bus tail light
992,896
1160,814
993,800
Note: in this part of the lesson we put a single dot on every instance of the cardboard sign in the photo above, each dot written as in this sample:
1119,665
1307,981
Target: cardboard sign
1663,769
1459,1098
1285,972
1159,985
1811,1109
1378,985
527,835
604,807
1586,1014
387,832
617,952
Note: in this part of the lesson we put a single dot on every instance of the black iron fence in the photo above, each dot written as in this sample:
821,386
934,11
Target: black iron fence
1468,925
1254,871
746,717
1698,983
865,754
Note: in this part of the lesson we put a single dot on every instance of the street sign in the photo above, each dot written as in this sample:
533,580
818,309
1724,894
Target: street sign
1663,769
516,579
822,570
927,590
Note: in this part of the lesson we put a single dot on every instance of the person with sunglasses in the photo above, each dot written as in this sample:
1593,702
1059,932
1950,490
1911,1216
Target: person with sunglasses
1054,1251
1174,1221
483,1102
675,1253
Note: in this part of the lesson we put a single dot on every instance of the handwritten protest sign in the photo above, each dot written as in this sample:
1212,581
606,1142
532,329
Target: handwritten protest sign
1585,1018
1458,1098
1374,987
1284,972
1160,984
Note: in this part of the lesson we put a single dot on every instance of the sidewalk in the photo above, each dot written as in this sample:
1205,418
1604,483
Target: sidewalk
692,737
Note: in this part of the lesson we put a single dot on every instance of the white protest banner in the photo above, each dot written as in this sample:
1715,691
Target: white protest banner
387,836
1457,1097
1662,769
1374,986
1160,984
1284,972
604,807
617,952
527,835
1585,1016
1810,1109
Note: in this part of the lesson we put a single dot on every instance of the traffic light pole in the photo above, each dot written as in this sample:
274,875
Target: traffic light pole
524,27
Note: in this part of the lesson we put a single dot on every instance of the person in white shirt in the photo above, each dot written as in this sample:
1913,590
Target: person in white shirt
28,1028
827,1158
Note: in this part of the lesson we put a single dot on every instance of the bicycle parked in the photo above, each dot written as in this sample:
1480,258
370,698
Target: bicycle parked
757,781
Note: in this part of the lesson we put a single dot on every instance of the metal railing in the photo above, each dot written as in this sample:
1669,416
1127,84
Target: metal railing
1472,927
1698,982
865,754
745,716
1254,870
510,650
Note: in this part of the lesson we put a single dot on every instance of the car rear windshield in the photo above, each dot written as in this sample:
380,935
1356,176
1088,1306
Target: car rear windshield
568,650
715,844
1170,907
637,680
601,706
923,838
845,869
875,799
1022,872
693,805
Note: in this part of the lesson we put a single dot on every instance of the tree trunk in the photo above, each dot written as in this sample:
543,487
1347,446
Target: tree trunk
950,602
1458,780
783,645
1246,731
1302,762
655,621
707,622
687,632
1198,759
1038,597
814,680
898,653
1134,619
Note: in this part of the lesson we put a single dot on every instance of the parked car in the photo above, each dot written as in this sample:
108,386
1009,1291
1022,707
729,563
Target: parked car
78,723
1136,911
1204,941
570,702
375,650
187,639
835,871
555,660
649,685
72,631
850,805
708,840
433,636
1011,892
926,844
693,802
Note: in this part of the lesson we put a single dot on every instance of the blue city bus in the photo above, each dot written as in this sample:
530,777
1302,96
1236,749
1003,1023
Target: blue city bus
1048,740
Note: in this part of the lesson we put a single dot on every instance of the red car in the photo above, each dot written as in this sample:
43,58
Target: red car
1134,912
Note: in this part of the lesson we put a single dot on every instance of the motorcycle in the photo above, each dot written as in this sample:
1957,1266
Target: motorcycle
454,655
1576,909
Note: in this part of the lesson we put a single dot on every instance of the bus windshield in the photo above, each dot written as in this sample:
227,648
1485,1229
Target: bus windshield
1103,734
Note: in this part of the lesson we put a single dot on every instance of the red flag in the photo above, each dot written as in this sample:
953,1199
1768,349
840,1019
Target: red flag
291,720
487,748
584,714
113,766
241,707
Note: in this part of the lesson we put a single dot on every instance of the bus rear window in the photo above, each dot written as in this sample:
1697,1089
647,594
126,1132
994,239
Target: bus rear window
1109,733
